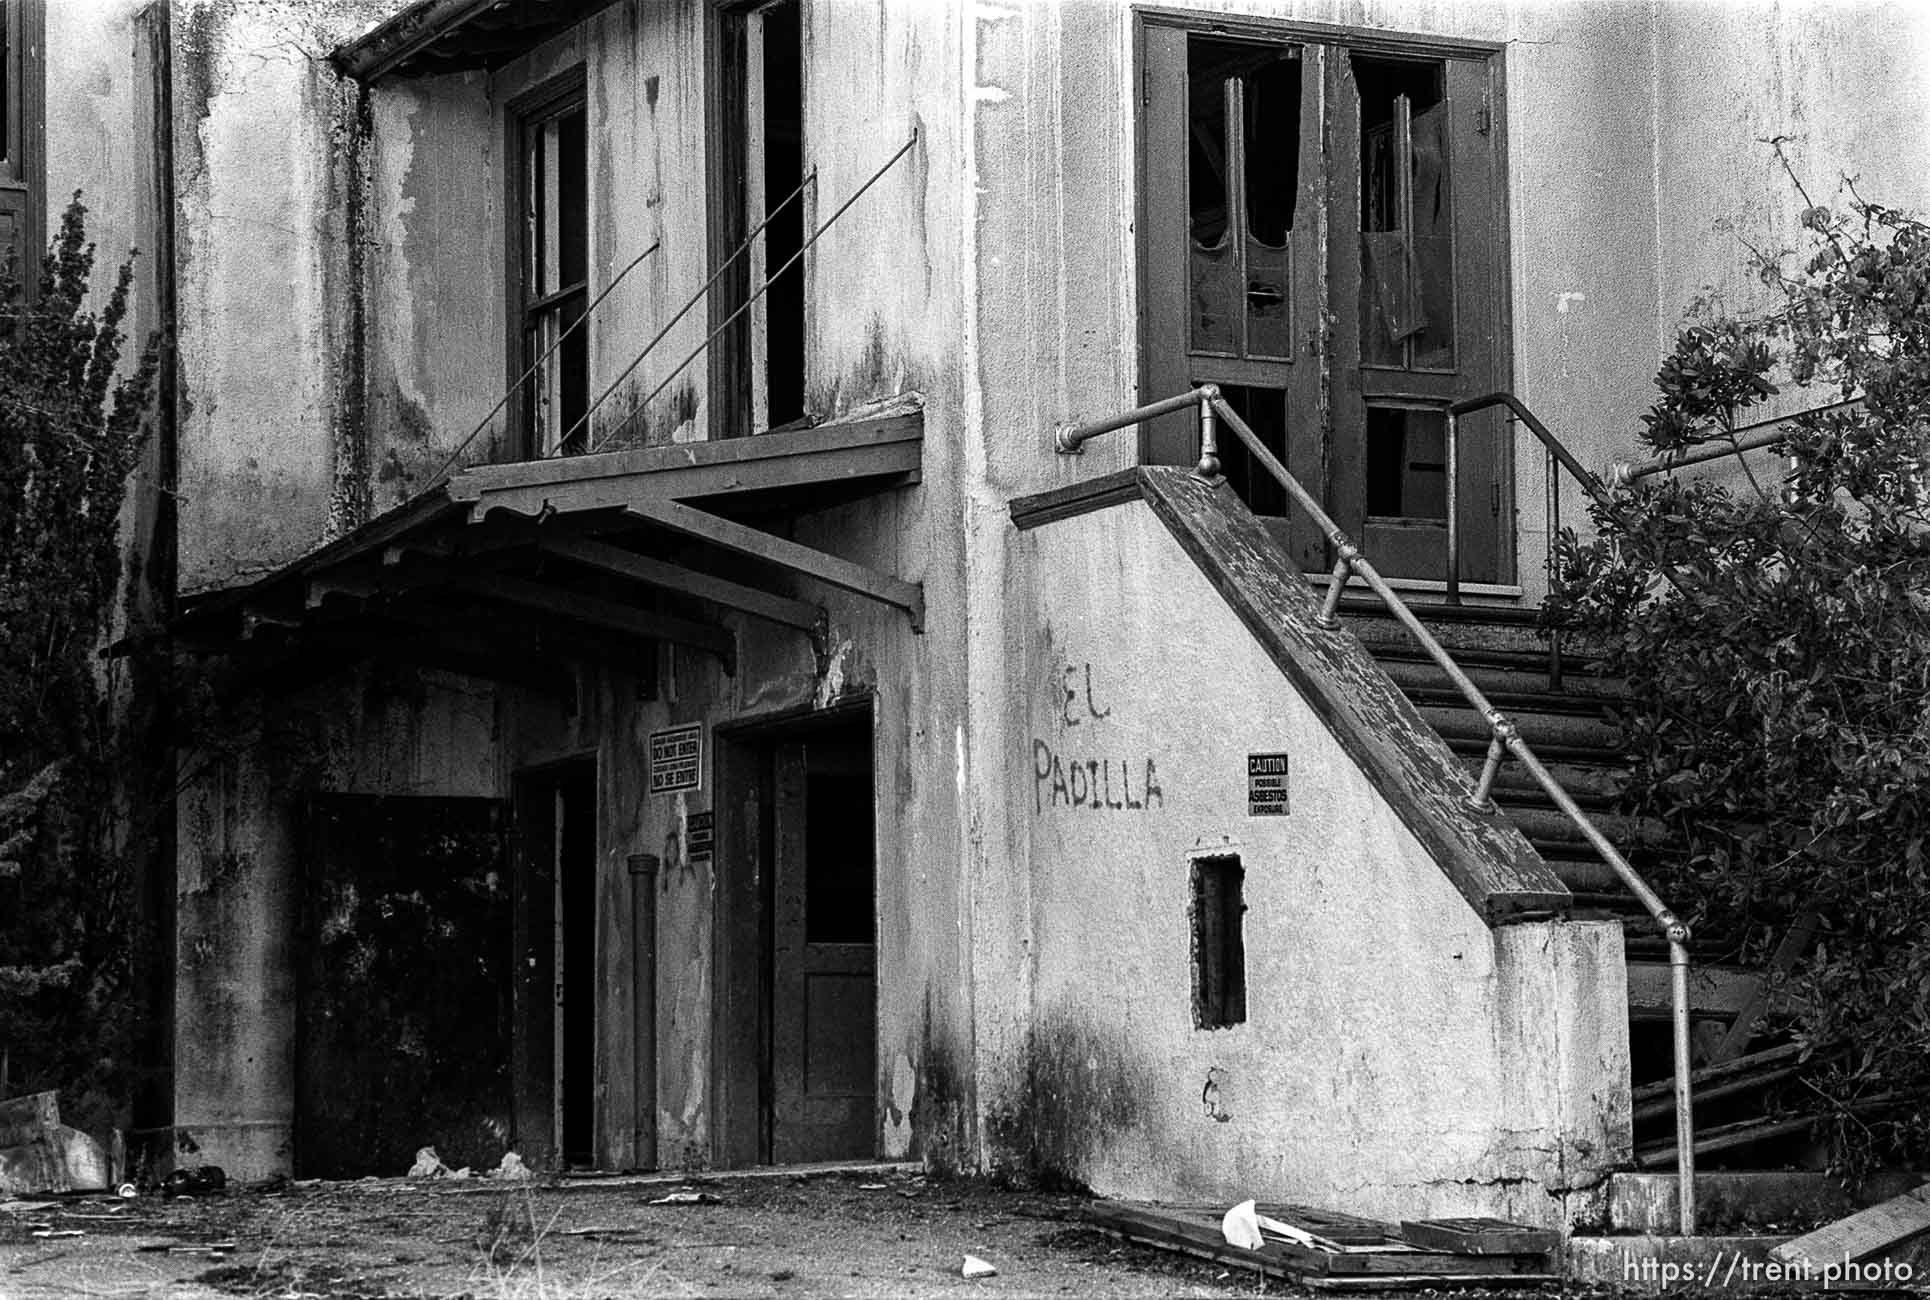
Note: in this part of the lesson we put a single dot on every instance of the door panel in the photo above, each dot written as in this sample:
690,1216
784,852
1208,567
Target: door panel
404,985
824,963
1391,254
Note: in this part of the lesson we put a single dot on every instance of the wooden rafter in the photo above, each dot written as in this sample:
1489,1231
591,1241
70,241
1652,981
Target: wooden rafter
730,535
597,612
607,558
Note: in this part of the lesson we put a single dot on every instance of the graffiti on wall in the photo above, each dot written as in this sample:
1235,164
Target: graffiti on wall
1074,775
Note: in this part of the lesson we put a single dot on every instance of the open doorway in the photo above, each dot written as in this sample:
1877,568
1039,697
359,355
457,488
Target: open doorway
556,927
797,943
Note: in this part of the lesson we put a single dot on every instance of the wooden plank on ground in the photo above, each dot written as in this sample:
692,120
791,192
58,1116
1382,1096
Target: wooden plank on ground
1480,1236
1195,1230
1862,1235
1342,1229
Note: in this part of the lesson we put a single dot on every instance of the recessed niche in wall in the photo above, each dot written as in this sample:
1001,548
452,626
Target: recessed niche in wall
1219,942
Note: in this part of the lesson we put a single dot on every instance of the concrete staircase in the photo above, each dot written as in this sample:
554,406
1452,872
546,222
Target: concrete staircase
1570,727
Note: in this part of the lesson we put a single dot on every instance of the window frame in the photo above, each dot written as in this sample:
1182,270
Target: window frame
23,169
554,98
1155,437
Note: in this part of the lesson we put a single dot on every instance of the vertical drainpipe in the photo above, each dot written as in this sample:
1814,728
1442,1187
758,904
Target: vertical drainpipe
643,1003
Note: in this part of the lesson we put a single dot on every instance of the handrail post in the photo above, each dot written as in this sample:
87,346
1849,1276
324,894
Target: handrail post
1346,554
1684,1098
1453,509
1500,732
1553,523
1208,470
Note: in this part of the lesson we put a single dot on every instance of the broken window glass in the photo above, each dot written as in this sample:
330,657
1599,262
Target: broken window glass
1243,178
1406,219
1406,463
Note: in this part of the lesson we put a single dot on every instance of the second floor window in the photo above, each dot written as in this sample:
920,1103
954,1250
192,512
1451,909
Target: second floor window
552,209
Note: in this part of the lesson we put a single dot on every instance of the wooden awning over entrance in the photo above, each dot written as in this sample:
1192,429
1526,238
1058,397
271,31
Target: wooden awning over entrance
501,570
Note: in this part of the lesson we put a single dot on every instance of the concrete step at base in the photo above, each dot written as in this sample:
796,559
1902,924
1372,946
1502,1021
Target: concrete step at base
1653,1262
1784,1200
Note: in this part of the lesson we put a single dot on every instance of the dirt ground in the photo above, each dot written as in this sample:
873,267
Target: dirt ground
891,1233
879,1232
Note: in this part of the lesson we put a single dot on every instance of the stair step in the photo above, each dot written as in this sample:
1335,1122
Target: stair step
1728,1200
1498,681
1772,1058
1725,1137
1553,828
1593,736
1715,992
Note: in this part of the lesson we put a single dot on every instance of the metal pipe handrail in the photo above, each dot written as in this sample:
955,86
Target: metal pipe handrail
1504,737
581,320
762,289
1760,434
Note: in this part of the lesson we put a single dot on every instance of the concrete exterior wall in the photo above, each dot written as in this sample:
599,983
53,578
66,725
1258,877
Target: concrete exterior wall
341,280
1366,972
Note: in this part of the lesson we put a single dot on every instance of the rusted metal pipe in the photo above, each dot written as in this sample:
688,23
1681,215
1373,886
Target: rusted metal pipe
1500,731
643,1003
1068,439
1748,437
1684,1100
1346,553
1208,470
1453,511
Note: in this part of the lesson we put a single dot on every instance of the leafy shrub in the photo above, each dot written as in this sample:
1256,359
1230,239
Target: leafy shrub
1774,631
71,428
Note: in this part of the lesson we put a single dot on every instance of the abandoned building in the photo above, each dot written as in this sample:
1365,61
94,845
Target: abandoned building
680,688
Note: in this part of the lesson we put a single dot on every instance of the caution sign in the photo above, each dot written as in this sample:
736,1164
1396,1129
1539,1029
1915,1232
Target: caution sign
700,832
1266,785
677,759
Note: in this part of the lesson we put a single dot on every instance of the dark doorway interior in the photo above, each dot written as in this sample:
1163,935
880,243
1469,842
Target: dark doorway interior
798,1029
556,928
403,1036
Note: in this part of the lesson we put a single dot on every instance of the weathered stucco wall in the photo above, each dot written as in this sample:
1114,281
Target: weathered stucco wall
1366,972
270,186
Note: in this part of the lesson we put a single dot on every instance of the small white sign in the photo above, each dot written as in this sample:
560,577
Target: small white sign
677,759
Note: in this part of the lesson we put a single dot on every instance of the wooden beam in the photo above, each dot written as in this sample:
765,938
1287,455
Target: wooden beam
744,540
607,558
1861,1235
888,444
1715,992
598,612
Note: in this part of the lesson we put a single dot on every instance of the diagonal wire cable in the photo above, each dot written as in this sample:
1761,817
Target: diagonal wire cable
751,301
537,364
810,177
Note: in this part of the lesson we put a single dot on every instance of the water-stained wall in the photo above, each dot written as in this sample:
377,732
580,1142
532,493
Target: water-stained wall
1390,1053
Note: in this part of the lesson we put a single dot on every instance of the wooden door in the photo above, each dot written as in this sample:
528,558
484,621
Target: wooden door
1323,238
823,957
403,985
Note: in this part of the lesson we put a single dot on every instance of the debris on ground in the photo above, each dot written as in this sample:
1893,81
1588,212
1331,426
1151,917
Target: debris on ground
976,1267
429,1165
203,1180
1326,1249
40,1154
688,1198
511,1168
1862,1236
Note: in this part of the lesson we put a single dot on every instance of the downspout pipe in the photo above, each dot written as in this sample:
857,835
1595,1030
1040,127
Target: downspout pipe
643,1003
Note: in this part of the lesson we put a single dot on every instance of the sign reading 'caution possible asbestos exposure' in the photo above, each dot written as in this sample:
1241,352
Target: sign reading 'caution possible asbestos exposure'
1266,785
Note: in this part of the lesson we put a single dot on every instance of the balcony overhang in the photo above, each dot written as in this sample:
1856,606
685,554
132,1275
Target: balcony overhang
430,37
507,571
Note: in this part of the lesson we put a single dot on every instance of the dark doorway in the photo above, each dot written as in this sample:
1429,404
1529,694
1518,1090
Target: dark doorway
556,928
798,1027
403,1036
